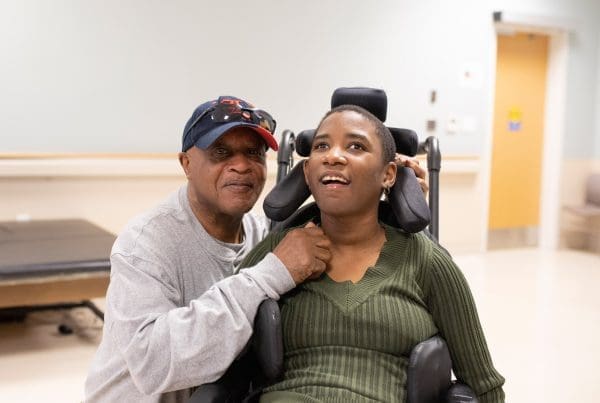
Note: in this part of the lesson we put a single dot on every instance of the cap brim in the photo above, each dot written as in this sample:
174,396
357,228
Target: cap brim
205,141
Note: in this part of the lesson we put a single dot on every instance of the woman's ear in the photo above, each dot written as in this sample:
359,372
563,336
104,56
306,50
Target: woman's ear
184,161
389,175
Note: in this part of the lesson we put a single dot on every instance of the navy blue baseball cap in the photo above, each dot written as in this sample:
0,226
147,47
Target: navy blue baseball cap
214,118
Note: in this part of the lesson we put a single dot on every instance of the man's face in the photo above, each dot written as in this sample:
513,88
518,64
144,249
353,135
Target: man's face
226,178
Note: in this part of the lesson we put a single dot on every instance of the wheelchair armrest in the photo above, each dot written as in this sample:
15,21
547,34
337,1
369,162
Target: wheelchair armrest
267,341
233,386
210,393
428,375
428,378
461,393
267,351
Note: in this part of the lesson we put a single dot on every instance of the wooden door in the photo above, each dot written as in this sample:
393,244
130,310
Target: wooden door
518,132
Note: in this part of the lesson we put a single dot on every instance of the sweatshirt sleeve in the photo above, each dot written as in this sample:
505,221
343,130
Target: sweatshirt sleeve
167,347
451,304
263,248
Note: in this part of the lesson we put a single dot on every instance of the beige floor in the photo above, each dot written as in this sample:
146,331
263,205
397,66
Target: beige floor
540,311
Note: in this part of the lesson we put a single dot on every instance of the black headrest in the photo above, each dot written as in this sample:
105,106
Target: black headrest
372,99
407,141
304,141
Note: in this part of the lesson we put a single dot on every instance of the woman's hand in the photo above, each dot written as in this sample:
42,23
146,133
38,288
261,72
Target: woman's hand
412,163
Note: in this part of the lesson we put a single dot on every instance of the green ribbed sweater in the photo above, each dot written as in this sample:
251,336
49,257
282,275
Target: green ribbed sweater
349,341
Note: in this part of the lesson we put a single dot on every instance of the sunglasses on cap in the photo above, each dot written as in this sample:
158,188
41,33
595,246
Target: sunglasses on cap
230,110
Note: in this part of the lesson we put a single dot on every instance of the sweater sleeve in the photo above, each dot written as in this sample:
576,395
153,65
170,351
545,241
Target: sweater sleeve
263,248
167,347
451,304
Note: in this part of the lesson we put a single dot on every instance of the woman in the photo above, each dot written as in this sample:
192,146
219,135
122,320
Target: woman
348,335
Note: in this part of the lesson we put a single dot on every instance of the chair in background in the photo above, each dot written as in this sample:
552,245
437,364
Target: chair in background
584,219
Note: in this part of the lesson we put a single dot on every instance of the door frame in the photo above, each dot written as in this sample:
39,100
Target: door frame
554,125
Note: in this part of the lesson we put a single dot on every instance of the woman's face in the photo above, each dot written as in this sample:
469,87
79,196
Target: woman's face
345,171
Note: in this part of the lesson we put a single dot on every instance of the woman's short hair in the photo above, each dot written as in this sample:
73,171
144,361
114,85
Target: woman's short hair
387,141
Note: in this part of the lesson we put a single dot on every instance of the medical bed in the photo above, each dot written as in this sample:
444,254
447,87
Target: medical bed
52,264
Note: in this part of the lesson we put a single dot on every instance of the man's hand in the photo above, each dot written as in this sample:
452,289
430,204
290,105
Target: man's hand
304,252
412,163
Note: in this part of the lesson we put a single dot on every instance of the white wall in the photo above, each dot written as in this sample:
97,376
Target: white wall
124,76
112,76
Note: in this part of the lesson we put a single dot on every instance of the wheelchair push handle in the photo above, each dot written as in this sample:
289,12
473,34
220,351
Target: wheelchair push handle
285,154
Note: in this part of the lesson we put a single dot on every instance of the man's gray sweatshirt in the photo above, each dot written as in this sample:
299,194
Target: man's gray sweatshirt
176,316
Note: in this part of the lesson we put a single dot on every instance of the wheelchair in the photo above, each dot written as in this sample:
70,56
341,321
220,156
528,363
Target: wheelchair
429,371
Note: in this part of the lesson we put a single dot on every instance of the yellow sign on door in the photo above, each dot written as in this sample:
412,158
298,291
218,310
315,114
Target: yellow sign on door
515,116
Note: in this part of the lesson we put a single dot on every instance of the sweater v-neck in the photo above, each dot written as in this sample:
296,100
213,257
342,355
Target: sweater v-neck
347,295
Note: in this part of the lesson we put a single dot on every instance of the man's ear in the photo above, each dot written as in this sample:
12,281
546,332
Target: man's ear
184,161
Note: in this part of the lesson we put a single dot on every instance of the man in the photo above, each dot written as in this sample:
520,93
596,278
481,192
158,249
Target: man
176,316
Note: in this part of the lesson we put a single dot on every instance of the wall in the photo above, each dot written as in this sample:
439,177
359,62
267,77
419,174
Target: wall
123,77
106,191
